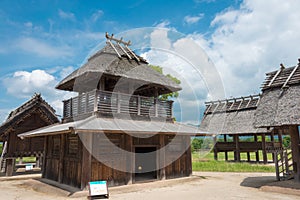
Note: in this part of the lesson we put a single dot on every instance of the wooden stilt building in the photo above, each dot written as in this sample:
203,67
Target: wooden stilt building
116,129
33,114
231,119
280,107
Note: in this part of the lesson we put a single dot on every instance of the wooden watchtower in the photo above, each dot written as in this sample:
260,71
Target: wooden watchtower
117,128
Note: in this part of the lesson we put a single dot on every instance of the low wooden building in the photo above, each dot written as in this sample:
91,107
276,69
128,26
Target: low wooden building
280,107
117,129
231,119
33,114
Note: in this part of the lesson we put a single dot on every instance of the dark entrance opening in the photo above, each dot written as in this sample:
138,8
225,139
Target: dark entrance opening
145,163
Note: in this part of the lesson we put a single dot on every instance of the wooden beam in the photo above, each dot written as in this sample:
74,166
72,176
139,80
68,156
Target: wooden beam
237,153
226,153
129,159
294,133
215,149
61,158
273,144
87,139
264,151
188,157
162,157
257,152
44,167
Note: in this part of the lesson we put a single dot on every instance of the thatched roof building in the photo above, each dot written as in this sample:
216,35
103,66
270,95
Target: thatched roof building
115,62
33,114
280,100
231,116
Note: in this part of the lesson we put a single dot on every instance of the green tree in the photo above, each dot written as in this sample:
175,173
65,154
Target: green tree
196,144
286,141
172,94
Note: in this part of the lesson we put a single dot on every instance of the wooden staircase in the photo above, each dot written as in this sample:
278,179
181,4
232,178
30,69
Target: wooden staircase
284,165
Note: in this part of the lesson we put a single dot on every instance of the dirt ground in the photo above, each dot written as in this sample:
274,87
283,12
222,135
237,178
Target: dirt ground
202,185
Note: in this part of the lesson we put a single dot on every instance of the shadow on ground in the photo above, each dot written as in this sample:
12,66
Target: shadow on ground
257,182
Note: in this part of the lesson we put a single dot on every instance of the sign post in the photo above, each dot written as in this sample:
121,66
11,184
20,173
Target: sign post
97,189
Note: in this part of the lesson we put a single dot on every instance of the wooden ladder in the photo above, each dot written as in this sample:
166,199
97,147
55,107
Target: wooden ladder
2,165
284,165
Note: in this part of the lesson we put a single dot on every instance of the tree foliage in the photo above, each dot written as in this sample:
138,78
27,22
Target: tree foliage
172,94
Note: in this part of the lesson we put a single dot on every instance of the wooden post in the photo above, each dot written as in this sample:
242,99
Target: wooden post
118,103
257,152
86,168
273,144
226,153
188,157
264,151
215,148
129,159
139,105
237,148
61,158
295,151
96,101
162,157
44,167
248,156
10,166
156,107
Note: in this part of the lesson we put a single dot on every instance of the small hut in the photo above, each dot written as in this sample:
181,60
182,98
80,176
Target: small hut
233,118
33,114
280,107
116,129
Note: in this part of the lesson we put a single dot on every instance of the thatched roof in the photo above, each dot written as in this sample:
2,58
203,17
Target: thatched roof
231,116
117,61
280,100
35,105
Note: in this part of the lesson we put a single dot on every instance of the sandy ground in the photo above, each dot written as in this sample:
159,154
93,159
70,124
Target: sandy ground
202,185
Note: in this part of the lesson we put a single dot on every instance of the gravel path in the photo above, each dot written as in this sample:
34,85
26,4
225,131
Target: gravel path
203,185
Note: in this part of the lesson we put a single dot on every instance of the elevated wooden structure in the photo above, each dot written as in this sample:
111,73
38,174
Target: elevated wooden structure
33,114
116,129
234,118
280,107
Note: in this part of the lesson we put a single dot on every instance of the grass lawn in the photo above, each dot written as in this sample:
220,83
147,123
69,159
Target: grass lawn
207,163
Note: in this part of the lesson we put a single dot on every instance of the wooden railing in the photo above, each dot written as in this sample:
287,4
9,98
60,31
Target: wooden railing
110,102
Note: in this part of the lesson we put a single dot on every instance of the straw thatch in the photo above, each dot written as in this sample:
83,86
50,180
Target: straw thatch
280,101
107,62
231,116
35,105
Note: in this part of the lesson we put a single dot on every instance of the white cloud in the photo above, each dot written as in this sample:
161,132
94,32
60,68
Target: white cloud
66,15
23,84
96,15
162,24
252,40
42,49
193,19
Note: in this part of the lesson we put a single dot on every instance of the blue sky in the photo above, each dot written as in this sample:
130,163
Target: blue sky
43,41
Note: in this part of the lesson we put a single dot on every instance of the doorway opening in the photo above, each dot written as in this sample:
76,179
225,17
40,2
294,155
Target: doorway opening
145,164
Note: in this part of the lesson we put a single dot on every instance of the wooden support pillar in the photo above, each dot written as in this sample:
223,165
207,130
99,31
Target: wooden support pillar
44,167
294,133
248,157
86,139
61,158
129,158
226,153
162,158
264,150
280,138
20,160
237,153
273,144
188,152
10,166
257,152
215,148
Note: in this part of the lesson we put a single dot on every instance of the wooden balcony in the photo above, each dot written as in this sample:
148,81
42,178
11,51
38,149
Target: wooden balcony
115,104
